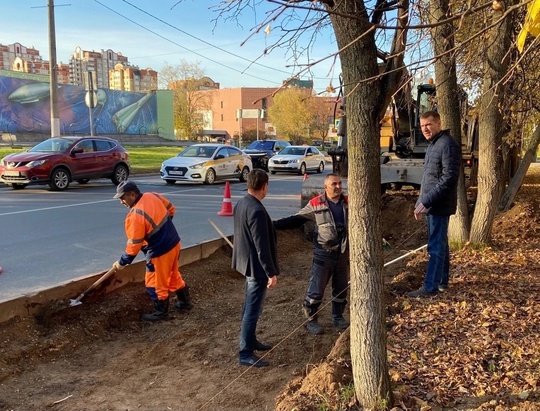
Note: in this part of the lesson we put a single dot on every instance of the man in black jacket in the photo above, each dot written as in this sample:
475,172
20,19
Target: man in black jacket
255,256
437,200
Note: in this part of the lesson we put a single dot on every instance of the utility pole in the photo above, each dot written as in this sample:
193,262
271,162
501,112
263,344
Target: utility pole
53,76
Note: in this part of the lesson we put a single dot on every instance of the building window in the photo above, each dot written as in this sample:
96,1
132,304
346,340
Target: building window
222,117
222,104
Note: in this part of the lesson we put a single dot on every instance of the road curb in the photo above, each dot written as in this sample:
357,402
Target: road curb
34,303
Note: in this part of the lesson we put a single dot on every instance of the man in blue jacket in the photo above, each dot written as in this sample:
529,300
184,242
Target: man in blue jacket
254,256
437,200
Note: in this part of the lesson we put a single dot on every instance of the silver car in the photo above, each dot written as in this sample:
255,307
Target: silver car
298,159
206,163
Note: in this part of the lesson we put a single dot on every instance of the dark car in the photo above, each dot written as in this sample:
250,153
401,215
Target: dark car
260,151
61,160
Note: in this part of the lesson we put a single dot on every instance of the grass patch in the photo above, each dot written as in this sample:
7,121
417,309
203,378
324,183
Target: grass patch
144,160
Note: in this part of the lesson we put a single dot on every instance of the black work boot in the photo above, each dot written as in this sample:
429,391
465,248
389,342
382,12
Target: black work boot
161,311
313,325
184,300
337,315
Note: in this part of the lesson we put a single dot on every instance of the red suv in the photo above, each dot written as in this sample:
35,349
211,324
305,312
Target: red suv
60,160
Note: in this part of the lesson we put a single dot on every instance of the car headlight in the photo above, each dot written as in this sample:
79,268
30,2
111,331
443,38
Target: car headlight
198,166
294,161
36,163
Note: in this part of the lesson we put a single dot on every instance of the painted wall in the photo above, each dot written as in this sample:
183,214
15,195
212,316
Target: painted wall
25,107
165,114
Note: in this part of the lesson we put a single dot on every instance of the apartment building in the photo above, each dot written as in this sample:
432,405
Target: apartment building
98,62
17,57
127,78
9,53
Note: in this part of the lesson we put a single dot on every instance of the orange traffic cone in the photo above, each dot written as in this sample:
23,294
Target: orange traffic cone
226,207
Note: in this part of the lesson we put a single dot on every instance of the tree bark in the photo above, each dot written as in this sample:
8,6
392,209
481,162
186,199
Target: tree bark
513,187
448,103
364,108
492,128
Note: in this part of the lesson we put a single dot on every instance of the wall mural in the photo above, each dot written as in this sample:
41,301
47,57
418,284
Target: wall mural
25,107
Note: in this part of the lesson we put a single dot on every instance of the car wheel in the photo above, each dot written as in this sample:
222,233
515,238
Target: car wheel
59,179
170,182
321,168
18,186
302,169
244,174
83,180
210,177
120,174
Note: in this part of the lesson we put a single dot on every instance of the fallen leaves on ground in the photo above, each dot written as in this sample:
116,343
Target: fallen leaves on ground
477,345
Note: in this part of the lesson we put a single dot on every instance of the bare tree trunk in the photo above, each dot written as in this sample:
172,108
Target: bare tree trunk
365,104
530,155
448,101
492,129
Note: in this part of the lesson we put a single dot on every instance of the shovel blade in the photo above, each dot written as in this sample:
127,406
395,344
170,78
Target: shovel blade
73,303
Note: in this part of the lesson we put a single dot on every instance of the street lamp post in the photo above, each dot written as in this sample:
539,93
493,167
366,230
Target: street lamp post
239,116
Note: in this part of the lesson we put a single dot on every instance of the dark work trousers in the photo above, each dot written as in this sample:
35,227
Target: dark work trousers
328,265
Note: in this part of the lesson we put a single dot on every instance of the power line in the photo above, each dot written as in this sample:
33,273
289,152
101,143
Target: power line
203,41
179,45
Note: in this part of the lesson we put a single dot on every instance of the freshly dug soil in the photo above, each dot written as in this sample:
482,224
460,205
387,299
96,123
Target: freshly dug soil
100,356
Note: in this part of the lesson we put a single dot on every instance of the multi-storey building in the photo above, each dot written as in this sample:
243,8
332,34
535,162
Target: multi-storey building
127,78
17,57
84,61
225,115
11,52
242,113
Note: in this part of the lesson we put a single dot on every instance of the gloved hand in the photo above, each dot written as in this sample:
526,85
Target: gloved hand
117,266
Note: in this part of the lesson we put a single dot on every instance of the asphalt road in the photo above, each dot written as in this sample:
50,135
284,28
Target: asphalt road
51,237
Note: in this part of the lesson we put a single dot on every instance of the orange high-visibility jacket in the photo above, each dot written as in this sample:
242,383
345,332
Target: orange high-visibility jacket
149,227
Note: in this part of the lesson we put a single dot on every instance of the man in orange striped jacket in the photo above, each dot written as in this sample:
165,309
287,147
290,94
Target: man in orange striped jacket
149,228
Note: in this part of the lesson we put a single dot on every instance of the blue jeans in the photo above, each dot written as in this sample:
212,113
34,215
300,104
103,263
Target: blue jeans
253,304
439,253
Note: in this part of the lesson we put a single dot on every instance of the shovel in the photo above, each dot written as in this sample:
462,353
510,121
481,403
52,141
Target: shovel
221,233
104,277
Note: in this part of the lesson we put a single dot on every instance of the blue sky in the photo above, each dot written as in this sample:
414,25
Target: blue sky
186,31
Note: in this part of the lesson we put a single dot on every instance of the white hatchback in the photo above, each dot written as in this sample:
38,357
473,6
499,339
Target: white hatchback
299,159
206,163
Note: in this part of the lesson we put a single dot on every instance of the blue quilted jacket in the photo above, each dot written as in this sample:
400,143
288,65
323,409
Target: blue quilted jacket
438,192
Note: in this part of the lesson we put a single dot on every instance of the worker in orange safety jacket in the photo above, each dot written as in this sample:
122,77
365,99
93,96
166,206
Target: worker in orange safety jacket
149,228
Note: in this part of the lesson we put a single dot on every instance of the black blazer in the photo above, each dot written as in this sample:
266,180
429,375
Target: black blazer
255,240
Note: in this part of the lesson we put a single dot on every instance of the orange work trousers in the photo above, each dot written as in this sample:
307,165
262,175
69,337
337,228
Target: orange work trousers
165,276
